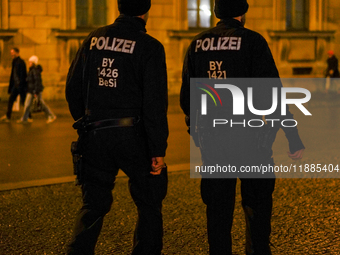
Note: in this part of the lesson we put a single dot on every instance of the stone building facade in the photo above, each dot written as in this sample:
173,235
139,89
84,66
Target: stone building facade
299,32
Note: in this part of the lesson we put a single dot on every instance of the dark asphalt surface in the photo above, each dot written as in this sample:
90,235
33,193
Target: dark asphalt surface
306,213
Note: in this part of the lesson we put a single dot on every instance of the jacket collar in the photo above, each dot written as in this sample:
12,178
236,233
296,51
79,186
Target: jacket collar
135,22
230,22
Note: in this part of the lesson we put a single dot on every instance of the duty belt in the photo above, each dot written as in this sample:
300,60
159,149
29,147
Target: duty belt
112,123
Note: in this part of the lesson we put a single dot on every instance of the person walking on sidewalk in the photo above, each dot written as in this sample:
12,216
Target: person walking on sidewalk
231,51
34,89
117,87
17,84
332,71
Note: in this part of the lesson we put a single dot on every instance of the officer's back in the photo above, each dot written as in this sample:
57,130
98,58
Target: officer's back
117,85
116,64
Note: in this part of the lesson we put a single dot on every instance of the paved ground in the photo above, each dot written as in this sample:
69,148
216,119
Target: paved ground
306,218
306,214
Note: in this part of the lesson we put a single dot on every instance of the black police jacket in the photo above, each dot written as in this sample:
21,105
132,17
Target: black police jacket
120,71
231,51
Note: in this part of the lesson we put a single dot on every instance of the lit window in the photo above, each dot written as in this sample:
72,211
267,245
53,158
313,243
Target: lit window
91,13
297,15
199,13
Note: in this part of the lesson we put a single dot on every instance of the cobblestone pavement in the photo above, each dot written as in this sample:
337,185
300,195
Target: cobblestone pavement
306,218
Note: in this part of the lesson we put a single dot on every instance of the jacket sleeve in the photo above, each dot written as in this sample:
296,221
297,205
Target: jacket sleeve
263,66
74,86
185,89
185,100
155,99
11,84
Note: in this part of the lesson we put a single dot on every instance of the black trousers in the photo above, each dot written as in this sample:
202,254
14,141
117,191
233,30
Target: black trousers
107,151
219,196
14,94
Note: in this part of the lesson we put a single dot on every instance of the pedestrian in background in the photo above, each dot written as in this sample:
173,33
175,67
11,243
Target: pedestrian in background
117,87
17,83
246,56
34,89
332,71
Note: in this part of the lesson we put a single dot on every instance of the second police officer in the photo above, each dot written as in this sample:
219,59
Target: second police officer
117,84
236,52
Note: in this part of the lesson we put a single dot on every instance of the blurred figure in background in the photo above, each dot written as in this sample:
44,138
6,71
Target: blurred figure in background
17,83
35,88
332,71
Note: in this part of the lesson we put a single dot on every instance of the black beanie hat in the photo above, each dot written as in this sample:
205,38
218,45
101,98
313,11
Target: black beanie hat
134,7
230,8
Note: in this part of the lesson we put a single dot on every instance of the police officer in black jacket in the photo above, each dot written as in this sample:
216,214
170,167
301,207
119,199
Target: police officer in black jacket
236,52
118,81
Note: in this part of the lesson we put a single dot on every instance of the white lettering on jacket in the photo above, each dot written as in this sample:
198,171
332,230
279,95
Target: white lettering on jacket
218,44
112,44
